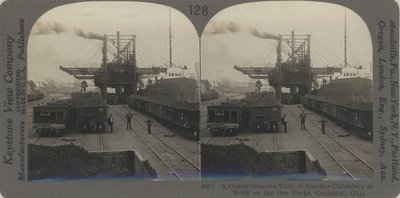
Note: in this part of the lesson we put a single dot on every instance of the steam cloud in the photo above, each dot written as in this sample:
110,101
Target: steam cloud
88,35
222,28
45,28
231,27
263,35
48,28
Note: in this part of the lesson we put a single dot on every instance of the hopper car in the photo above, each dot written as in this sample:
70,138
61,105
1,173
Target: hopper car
345,101
172,102
227,118
35,96
260,112
81,113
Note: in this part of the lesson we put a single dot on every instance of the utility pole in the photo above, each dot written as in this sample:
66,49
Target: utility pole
118,48
134,64
105,67
345,38
279,60
292,55
170,39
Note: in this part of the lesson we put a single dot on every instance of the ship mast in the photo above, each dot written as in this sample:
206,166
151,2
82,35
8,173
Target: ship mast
170,40
345,39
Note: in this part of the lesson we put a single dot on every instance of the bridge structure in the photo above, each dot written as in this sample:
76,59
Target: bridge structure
88,73
118,69
263,72
293,66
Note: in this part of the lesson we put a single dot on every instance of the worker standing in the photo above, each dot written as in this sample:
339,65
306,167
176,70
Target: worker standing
110,122
129,117
303,117
323,123
284,122
149,122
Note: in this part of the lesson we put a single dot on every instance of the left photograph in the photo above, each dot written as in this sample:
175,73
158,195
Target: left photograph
113,92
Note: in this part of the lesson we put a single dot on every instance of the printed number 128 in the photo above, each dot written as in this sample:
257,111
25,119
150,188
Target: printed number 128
198,10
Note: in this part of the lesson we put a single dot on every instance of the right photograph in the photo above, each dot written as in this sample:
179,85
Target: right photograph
286,93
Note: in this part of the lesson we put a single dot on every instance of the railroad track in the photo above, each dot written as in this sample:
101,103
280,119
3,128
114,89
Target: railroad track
222,140
160,128
210,140
335,158
256,141
341,144
159,156
82,142
37,140
101,143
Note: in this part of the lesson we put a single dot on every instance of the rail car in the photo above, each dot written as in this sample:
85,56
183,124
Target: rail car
53,119
81,113
227,118
35,96
181,116
161,102
33,92
265,111
347,102
259,112
207,92
287,98
209,96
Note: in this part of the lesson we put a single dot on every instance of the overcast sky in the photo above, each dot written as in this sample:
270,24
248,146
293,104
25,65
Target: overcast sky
54,41
325,22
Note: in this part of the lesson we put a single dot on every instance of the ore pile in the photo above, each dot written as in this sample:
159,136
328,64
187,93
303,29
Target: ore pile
353,92
240,160
69,162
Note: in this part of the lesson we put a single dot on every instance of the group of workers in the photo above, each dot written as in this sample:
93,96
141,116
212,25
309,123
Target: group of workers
129,118
303,117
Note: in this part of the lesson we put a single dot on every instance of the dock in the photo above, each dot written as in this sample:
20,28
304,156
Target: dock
344,155
173,155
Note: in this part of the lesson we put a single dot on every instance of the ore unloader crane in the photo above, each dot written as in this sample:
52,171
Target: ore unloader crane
295,72
118,69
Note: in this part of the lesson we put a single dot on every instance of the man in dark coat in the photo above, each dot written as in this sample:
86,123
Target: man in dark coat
149,122
110,122
323,124
284,122
303,117
129,117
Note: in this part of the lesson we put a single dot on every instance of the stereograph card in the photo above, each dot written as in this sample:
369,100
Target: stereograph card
203,98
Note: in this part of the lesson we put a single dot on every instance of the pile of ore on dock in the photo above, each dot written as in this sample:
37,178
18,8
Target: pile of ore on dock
241,160
69,162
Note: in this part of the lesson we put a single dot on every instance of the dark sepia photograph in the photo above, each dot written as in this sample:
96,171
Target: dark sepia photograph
286,93
113,93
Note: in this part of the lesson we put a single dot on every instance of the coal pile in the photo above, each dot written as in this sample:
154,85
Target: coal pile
69,162
242,160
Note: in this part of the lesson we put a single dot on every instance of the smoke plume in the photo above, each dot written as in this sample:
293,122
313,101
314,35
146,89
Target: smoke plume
42,28
222,28
88,35
263,35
